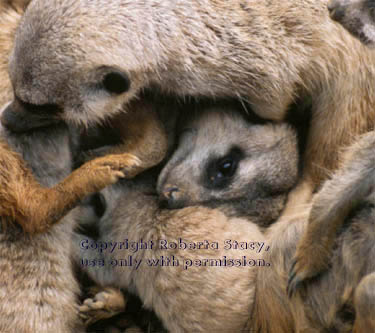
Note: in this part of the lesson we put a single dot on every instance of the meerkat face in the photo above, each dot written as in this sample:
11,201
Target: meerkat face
68,69
357,16
221,158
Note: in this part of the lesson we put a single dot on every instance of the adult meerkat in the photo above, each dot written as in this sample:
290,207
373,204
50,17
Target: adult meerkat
34,207
243,170
343,298
261,52
329,211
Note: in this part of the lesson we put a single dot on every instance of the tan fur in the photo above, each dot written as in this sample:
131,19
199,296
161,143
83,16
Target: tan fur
10,17
340,195
35,208
204,298
353,182
340,300
38,292
342,297
268,53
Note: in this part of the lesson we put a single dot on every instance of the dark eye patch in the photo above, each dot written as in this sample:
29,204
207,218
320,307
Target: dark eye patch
116,82
221,170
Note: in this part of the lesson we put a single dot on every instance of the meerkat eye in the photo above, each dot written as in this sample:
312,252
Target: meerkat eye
227,168
221,171
116,82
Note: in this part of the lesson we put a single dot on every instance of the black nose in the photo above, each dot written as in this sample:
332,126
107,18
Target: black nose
17,119
169,197
13,120
169,193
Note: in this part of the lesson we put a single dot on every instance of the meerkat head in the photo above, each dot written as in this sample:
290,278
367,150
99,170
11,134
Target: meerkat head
226,162
67,64
356,16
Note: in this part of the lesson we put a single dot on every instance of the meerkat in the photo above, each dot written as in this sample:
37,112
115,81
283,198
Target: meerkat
36,273
342,299
34,207
329,211
272,55
225,176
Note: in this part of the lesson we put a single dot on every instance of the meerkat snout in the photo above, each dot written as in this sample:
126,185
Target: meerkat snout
170,197
226,162
16,116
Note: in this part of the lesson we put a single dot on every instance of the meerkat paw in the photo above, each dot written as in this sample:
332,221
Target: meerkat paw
128,164
309,261
113,167
105,304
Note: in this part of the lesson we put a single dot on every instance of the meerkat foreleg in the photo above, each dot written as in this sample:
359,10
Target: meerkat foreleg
142,134
35,208
341,195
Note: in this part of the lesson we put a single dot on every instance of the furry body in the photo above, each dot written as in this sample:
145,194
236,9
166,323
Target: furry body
259,51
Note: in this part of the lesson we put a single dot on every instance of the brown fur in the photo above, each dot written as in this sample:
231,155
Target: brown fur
340,195
38,292
340,300
35,208
342,297
10,13
205,298
352,183
268,53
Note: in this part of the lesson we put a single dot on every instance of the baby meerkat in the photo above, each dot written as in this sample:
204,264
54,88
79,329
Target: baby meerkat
340,300
241,168
209,287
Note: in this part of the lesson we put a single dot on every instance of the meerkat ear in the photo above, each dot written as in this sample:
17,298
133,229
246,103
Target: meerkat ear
116,82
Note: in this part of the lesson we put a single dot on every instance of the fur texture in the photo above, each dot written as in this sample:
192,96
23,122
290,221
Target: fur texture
196,295
352,183
268,53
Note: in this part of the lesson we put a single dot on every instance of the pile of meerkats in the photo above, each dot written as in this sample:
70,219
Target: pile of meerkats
188,122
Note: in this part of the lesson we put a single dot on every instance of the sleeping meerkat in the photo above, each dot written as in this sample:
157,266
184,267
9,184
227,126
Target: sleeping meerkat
199,290
261,52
